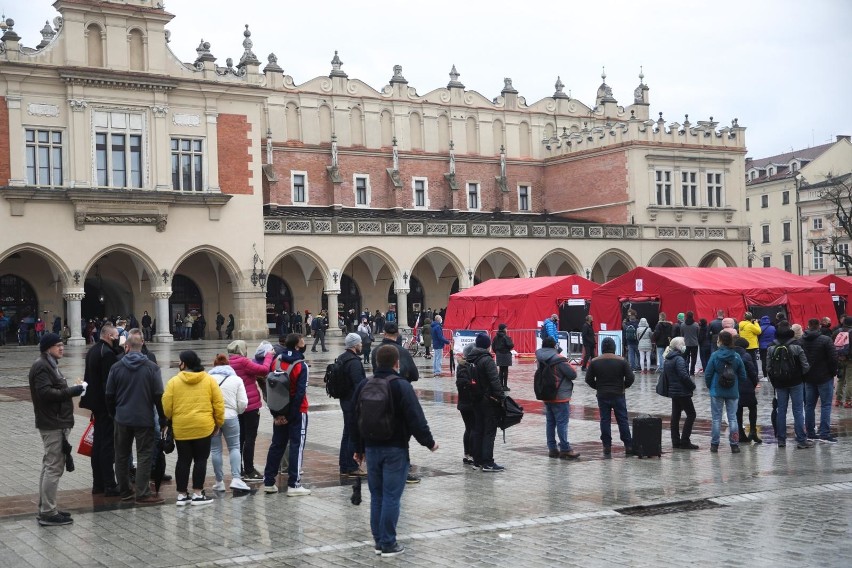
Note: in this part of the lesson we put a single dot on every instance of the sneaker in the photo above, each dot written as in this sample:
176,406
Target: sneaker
183,500
377,549
493,468
270,489
569,455
475,466
412,478
735,449
828,439
54,520
219,486
394,550
467,461
688,446
150,500
804,445
714,448
254,475
129,495
239,485
553,453
65,514
202,499
298,491
847,405
782,444
812,436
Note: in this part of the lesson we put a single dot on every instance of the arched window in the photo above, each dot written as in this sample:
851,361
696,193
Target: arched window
386,123
325,123
472,136
356,126
94,46
294,131
497,133
524,139
137,50
415,131
443,133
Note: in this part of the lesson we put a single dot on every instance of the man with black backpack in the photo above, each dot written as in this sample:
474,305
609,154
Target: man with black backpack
387,414
349,373
488,402
819,380
554,385
318,327
631,339
610,375
787,364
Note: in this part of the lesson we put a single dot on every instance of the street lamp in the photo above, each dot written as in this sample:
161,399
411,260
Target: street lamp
257,278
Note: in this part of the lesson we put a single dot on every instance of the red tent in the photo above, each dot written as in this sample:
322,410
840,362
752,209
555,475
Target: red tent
520,303
706,290
840,288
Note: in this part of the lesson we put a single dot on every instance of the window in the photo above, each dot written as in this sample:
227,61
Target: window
785,231
785,198
770,171
44,157
817,223
362,191
473,196
843,253
187,159
795,166
747,204
523,198
767,262
764,201
765,229
788,262
118,149
300,187
664,187
421,192
819,261
689,189
714,190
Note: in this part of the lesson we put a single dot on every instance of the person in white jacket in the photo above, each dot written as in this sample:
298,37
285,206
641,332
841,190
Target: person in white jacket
643,334
236,400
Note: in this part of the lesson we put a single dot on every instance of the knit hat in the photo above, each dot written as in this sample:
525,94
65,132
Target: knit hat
608,345
680,316
483,341
502,327
48,341
352,340
238,347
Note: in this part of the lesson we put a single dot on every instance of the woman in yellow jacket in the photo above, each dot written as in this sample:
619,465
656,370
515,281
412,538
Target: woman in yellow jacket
749,330
194,404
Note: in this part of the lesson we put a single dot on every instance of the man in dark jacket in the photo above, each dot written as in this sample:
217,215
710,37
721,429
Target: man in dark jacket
146,326
387,460
502,347
133,389
610,375
557,409
54,418
487,409
220,321
819,381
662,337
587,334
789,389
747,393
353,370
715,327
318,326
407,367
99,360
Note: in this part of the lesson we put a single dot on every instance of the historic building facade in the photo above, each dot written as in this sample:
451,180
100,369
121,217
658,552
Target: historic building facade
133,181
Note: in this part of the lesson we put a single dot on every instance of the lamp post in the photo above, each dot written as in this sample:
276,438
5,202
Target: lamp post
257,278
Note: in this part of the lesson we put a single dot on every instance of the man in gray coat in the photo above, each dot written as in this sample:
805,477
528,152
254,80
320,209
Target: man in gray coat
556,409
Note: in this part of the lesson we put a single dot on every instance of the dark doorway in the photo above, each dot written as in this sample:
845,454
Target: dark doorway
572,315
648,310
349,299
17,302
278,299
771,311
186,298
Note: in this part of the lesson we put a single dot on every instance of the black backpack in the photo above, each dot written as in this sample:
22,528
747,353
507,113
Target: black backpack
467,382
337,384
375,409
542,333
728,377
783,368
545,384
630,333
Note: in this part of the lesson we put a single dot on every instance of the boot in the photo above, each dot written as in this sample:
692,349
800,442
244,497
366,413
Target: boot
753,435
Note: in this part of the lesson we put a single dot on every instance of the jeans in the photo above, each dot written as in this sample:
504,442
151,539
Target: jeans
187,333
347,446
660,360
387,470
249,422
796,396
103,452
730,406
645,359
437,360
319,336
52,468
231,431
556,415
633,355
484,432
145,439
682,404
195,452
617,404
825,393
295,433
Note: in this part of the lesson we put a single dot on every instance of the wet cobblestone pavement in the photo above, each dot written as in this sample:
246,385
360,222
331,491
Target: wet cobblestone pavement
764,507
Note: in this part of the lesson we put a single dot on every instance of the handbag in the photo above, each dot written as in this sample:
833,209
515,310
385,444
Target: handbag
88,439
168,440
663,384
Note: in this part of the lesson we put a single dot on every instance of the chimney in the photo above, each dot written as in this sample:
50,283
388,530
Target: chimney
846,137
748,160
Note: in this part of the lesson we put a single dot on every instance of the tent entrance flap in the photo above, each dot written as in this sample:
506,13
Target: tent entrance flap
771,311
572,314
648,309
839,305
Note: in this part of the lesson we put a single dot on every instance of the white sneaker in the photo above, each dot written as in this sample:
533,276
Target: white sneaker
270,489
202,499
182,500
297,491
237,483
219,486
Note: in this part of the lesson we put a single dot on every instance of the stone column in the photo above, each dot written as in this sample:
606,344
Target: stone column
73,315
161,313
333,307
250,314
402,308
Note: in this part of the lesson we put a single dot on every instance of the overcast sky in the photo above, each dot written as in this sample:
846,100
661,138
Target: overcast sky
782,67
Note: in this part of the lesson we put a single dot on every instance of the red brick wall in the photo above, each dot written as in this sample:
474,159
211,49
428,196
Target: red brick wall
589,181
5,157
233,133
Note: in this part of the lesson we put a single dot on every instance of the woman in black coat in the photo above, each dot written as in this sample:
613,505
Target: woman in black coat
748,399
502,347
680,390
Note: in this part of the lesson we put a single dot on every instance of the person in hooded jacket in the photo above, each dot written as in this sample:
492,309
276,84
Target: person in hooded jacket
792,390
843,392
662,337
819,381
235,399
486,410
751,330
587,334
747,393
680,388
557,409
193,402
704,348
643,334
465,407
351,368
689,331
502,346
764,340
250,372
724,397
610,375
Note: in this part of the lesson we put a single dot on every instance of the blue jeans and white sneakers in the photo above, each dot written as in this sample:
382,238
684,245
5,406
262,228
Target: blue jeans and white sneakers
730,407
231,432
795,395
825,393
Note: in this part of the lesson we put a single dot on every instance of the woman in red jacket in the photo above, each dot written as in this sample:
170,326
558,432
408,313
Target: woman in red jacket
249,372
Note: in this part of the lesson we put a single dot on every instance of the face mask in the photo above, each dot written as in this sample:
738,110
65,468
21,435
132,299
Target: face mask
116,343
683,349
302,349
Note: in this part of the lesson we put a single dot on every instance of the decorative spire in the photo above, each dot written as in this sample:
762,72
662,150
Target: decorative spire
203,51
47,34
558,94
272,65
641,76
397,75
336,65
248,58
603,74
640,93
605,91
454,79
507,87
6,25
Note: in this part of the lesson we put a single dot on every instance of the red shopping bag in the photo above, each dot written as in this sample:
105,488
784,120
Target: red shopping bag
88,439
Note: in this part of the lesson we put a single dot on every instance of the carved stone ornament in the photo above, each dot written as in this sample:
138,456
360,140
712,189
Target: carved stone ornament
35,109
395,177
451,181
78,105
161,295
159,111
180,119
334,174
81,219
74,296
